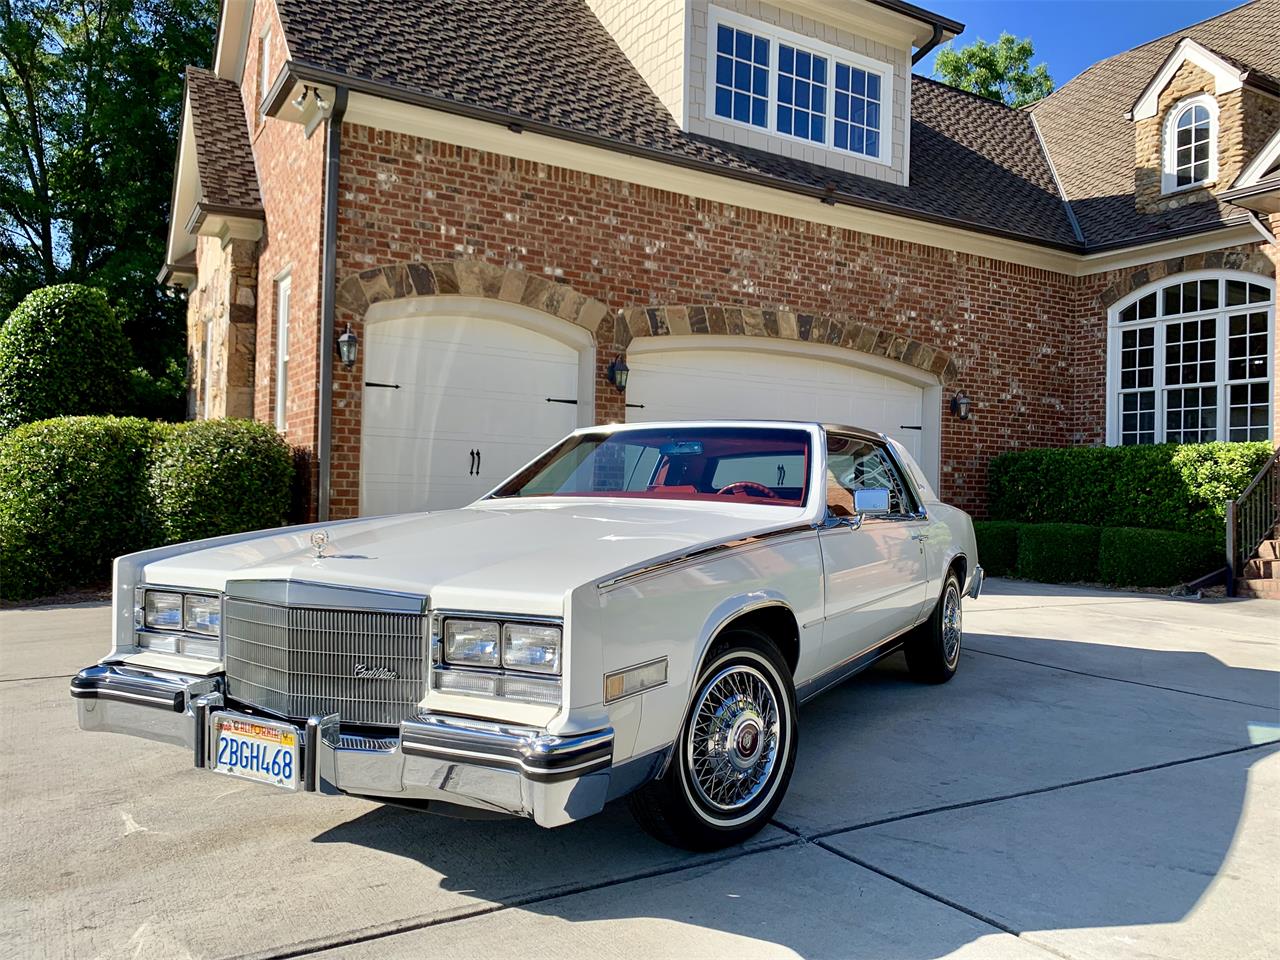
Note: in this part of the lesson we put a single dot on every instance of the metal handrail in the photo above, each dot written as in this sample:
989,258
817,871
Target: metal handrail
1252,516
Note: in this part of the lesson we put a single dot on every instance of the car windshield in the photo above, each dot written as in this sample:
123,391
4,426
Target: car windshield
741,464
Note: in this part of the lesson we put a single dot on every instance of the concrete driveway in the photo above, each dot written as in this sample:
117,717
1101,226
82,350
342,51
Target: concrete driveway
1098,781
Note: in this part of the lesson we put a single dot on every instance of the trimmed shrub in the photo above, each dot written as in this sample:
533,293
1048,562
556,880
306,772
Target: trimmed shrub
997,546
1057,552
214,477
73,495
1166,486
1134,557
62,352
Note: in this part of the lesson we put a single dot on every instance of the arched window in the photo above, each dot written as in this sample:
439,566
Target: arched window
1191,144
1190,361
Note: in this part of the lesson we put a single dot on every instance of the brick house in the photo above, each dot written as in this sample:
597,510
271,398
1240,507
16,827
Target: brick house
753,206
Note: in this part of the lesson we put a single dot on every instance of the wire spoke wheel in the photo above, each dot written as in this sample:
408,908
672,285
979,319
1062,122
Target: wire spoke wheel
733,739
952,625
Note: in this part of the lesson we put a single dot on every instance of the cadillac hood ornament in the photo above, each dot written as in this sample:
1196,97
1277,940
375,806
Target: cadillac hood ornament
320,540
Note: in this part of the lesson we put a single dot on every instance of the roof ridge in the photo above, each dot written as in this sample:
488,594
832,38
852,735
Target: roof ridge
968,93
1181,32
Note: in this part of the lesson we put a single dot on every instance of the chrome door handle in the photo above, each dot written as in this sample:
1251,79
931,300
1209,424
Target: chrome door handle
920,536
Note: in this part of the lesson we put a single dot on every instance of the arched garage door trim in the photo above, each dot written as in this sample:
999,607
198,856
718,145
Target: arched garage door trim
517,315
929,383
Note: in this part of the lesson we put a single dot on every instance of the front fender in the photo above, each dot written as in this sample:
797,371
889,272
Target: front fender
725,613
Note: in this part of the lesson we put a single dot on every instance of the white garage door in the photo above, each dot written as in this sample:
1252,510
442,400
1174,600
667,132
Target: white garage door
472,408
698,384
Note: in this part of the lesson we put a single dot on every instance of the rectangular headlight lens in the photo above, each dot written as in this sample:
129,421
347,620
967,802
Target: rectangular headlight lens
471,642
202,615
529,646
163,611
464,681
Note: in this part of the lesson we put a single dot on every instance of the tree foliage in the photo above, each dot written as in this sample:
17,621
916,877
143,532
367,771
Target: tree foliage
90,103
999,71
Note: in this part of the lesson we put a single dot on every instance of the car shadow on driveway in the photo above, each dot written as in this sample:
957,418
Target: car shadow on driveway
1019,797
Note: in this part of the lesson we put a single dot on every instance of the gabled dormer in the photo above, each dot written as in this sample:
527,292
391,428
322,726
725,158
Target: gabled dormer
824,82
1199,120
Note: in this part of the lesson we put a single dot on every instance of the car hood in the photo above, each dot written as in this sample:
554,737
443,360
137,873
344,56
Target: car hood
519,556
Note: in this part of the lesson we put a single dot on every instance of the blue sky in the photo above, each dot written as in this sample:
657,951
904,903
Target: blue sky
1069,35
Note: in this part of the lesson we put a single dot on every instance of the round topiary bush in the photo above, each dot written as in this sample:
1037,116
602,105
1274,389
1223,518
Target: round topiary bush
73,495
214,477
62,352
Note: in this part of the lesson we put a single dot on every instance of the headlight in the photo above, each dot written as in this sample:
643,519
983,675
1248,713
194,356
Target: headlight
472,643
163,610
202,614
527,646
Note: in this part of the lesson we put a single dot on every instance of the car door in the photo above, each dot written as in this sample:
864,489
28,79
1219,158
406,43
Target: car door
874,572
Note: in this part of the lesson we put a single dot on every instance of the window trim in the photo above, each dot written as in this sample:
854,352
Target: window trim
264,65
1169,144
1112,403
280,323
775,35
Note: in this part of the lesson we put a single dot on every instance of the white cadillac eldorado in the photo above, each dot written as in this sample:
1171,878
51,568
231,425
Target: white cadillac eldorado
637,612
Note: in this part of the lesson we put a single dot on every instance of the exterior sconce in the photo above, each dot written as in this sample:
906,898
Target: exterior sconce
618,373
348,348
960,406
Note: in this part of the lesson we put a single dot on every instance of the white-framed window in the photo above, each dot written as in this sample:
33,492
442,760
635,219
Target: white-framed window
1190,144
773,80
1189,360
283,285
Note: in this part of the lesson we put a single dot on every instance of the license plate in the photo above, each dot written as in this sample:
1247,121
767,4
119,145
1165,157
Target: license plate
253,749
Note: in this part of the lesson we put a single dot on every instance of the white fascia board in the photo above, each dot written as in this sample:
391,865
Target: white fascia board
229,56
384,114
1257,168
1226,76
186,190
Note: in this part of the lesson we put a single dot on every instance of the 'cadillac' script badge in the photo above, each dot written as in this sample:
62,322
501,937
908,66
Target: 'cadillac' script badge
363,672
319,540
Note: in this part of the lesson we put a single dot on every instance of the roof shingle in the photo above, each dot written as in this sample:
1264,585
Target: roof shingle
224,157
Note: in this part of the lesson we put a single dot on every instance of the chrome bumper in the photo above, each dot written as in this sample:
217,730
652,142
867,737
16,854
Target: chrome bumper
452,760
976,581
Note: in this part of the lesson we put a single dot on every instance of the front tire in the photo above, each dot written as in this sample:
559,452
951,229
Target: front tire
735,753
933,648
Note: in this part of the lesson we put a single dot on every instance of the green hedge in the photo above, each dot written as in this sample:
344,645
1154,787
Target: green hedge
997,546
62,351
213,477
1166,486
73,495
1133,557
1057,552
76,492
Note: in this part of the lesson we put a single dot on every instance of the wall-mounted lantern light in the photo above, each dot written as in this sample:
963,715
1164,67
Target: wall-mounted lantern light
348,348
618,373
960,406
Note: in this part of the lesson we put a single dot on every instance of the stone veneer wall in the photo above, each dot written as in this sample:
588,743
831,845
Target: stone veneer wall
221,329
1006,326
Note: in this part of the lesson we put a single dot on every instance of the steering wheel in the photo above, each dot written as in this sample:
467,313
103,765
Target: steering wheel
748,486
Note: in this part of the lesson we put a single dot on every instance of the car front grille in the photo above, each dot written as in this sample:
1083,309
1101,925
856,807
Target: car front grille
367,666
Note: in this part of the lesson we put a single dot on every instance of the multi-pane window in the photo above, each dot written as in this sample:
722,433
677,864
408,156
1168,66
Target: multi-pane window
802,94
1191,149
795,86
1192,363
742,76
857,110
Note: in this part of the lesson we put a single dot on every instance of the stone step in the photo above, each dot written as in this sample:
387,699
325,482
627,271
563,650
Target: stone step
1260,589
1270,550
1260,569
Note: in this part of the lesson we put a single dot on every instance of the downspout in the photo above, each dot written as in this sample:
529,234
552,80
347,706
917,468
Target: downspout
328,291
932,42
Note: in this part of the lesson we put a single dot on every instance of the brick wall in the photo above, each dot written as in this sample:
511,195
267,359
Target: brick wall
291,180
407,199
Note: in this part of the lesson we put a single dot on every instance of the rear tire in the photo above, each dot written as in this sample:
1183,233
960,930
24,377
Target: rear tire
933,648
735,752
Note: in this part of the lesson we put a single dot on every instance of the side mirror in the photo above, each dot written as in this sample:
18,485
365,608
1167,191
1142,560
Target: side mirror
871,502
